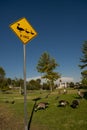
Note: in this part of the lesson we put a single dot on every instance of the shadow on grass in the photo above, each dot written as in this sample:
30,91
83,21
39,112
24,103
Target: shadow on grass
30,120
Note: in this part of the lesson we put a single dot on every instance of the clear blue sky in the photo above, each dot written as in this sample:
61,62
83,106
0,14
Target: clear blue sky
61,27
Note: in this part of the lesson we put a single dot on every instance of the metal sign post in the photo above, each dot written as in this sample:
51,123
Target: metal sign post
25,93
25,32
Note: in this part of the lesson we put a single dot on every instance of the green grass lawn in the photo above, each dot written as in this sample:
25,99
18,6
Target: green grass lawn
53,118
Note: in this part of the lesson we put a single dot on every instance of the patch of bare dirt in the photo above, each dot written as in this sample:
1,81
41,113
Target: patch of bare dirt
8,121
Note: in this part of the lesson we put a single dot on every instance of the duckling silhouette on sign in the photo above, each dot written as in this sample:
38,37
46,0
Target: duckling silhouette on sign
27,31
32,33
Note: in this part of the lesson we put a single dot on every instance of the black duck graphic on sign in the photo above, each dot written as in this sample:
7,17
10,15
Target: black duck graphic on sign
19,28
22,29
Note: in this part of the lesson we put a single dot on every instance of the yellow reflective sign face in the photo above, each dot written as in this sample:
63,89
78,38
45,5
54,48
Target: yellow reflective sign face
23,30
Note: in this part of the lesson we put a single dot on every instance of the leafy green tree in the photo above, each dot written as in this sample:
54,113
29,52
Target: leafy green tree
21,83
51,77
3,81
9,81
46,86
33,85
83,59
84,83
46,66
71,85
2,73
38,81
4,85
46,63
84,74
84,78
18,82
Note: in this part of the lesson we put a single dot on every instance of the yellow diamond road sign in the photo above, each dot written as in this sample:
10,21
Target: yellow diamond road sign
23,30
